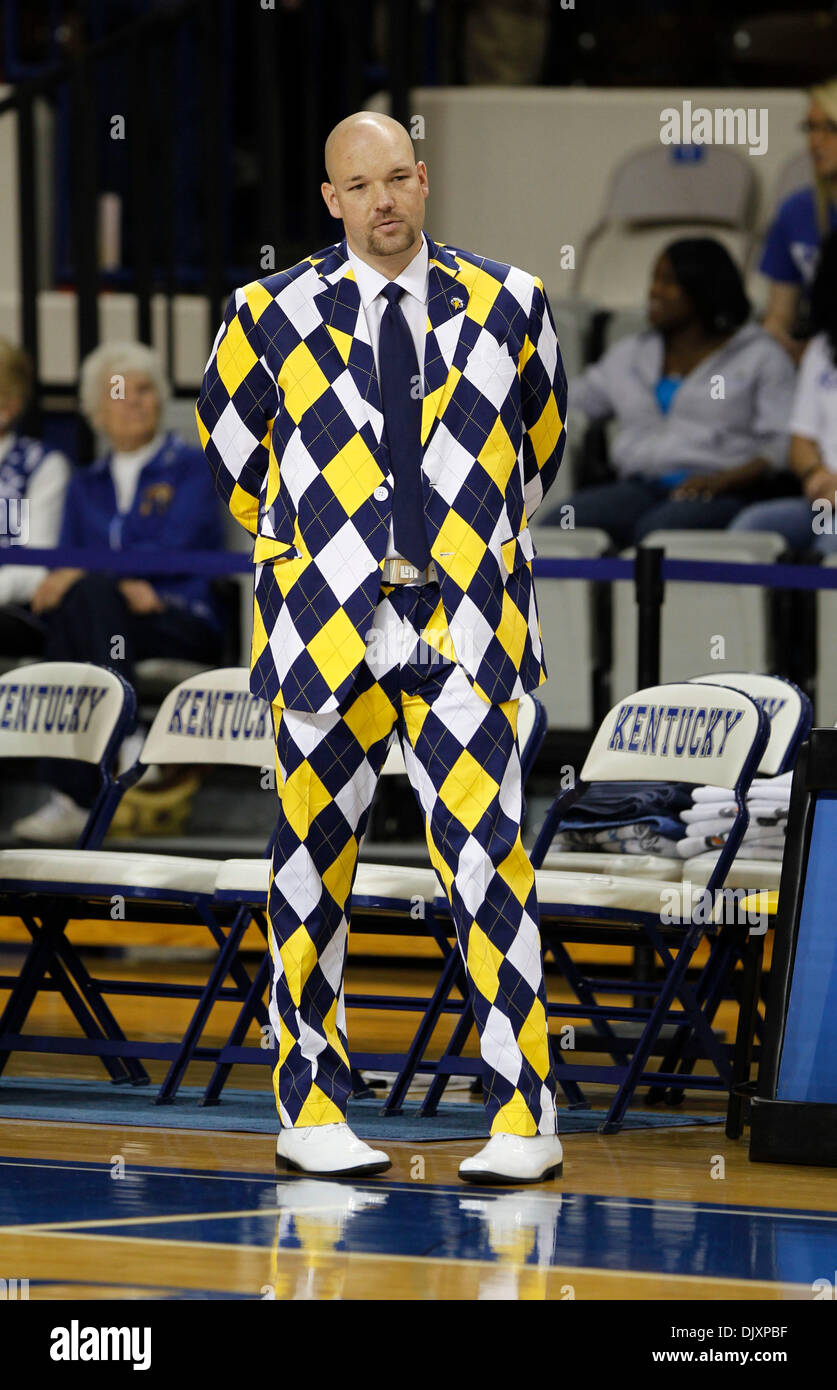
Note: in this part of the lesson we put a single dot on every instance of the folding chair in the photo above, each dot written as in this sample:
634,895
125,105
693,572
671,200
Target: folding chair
211,718
664,733
384,901
80,713
790,714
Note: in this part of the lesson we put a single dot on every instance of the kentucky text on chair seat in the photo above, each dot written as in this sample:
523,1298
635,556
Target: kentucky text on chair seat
203,714
33,709
703,731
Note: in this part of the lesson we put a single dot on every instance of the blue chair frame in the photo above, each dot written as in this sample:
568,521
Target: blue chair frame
50,951
725,951
60,903
376,914
565,922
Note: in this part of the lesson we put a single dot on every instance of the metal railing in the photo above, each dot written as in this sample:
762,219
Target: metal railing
307,68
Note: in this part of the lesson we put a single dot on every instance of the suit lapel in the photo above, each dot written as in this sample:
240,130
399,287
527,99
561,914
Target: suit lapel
447,300
337,300
338,303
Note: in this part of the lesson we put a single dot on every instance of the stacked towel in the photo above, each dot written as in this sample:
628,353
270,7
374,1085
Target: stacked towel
626,818
708,820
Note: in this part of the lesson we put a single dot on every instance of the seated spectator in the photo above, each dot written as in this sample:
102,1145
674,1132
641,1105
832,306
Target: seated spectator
701,401
149,491
33,481
802,222
807,522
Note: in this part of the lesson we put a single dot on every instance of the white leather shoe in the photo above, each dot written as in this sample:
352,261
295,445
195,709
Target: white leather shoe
513,1158
329,1151
58,822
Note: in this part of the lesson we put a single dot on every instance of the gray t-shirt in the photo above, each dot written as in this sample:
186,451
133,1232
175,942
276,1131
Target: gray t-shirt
734,406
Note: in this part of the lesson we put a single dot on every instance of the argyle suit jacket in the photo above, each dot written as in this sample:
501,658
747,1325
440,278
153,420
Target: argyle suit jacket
290,418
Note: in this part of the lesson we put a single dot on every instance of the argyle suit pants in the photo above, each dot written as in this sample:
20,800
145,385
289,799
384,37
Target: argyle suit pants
462,760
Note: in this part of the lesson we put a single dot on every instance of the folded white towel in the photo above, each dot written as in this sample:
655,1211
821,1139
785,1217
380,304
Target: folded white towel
699,844
769,787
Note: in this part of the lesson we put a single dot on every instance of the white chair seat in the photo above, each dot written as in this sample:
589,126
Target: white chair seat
600,890
763,874
248,879
86,870
603,890
395,881
622,865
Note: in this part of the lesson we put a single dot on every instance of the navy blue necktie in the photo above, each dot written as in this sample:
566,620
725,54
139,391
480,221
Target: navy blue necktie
401,394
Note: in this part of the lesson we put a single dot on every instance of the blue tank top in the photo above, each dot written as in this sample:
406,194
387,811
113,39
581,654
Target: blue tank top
665,391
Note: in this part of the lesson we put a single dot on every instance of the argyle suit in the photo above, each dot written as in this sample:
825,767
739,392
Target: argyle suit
290,419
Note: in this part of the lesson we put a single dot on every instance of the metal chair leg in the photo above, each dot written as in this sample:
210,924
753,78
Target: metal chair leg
753,960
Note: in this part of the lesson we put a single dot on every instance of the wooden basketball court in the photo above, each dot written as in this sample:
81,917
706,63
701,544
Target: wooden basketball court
93,1211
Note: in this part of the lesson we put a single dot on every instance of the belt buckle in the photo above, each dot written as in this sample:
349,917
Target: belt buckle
398,571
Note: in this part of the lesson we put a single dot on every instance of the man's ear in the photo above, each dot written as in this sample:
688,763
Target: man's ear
330,199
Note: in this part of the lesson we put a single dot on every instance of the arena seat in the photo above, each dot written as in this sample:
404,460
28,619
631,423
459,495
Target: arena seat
796,173
789,713
622,323
655,185
654,197
568,624
209,719
577,908
695,616
790,724
157,675
654,866
617,260
102,709
753,875
572,324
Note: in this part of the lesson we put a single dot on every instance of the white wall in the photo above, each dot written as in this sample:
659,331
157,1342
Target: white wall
9,242
516,173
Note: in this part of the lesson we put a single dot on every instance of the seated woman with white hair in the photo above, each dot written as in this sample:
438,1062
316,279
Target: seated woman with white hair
150,490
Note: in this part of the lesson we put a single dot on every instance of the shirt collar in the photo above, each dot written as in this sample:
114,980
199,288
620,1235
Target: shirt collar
413,277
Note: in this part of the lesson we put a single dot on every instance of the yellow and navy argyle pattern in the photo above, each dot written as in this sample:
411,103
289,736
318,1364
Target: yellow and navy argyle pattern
290,419
463,763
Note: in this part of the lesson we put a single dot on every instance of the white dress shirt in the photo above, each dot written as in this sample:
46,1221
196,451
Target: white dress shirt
413,304
125,469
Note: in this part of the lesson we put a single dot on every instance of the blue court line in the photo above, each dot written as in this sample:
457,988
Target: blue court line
161,1291
685,1239
774,1213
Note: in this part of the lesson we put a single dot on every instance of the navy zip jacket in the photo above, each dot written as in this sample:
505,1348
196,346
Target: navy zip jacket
175,508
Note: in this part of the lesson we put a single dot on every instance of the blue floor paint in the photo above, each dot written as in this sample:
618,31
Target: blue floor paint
544,1227
159,1292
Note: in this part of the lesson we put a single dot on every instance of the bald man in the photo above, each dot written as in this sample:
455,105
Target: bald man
385,419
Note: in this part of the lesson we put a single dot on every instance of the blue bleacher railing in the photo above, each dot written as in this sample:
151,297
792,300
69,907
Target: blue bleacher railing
602,570
649,578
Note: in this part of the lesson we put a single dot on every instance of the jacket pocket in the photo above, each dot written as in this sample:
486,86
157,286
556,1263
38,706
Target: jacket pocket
267,549
518,551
